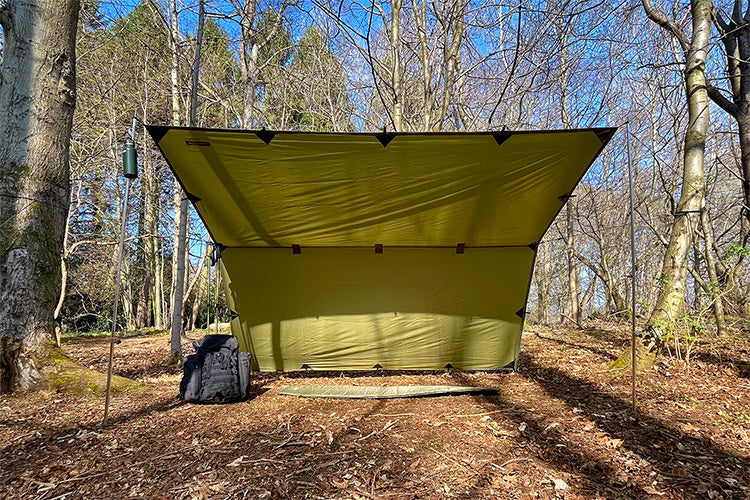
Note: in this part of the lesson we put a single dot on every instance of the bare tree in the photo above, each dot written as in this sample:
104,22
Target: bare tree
670,301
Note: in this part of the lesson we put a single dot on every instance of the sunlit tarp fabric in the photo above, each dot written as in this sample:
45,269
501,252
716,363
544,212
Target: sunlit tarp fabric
400,251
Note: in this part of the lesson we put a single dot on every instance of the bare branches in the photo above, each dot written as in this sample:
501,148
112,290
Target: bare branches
5,15
662,20
716,95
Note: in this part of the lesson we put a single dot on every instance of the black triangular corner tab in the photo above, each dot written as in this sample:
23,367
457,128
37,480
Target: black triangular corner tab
449,367
190,196
265,135
501,137
385,138
378,248
219,247
460,248
605,134
534,246
511,367
565,197
377,367
233,315
157,132
521,313
305,367
296,250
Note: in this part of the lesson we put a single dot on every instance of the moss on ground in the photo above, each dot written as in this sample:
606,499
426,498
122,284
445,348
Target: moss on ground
644,359
65,375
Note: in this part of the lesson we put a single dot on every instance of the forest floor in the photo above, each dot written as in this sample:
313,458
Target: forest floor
560,427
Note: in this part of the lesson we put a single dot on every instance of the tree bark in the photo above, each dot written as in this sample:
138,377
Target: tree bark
575,310
36,115
249,51
178,303
715,290
671,298
398,105
735,35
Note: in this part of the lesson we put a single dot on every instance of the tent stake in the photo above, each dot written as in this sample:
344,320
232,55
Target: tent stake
632,268
130,170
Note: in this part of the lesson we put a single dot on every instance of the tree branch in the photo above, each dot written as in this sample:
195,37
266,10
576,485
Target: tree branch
4,15
721,101
722,24
659,18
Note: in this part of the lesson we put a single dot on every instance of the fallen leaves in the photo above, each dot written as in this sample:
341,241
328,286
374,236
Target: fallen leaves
557,432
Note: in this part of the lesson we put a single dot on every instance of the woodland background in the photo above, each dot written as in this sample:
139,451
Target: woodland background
412,66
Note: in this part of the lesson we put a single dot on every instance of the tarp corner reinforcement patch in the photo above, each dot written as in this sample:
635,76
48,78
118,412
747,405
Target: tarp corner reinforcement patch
605,134
385,138
190,196
265,135
501,137
157,132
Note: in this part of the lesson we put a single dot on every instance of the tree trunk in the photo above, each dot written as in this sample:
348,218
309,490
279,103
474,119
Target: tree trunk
714,291
178,303
174,73
542,276
671,298
743,124
199,292
398,104
146,249
575,311
249,51
35,124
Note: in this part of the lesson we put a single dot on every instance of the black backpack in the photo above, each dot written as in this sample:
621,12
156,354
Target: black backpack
217,371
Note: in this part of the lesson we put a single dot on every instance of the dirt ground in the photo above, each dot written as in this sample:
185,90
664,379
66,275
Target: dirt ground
560,427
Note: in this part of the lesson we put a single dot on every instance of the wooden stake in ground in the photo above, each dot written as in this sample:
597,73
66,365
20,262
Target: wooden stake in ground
130,171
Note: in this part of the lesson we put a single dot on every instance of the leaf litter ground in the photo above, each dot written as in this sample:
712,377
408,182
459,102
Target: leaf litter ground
560,427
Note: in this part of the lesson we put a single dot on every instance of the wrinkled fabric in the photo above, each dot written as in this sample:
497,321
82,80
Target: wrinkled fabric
337,304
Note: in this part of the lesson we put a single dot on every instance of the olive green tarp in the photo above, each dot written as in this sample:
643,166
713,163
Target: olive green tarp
401,251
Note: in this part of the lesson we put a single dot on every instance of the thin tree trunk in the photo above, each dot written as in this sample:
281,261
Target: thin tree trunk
145,252
588,294
181,247
396,60
174,69
199,293
713,279
249,51
36,116
575,311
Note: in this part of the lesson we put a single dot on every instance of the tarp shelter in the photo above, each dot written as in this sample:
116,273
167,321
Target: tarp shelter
395,250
